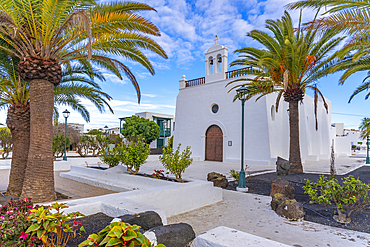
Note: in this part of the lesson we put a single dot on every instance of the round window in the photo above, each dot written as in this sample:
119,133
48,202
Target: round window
215,108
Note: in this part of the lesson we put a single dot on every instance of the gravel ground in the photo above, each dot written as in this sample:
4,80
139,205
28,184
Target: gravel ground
261,185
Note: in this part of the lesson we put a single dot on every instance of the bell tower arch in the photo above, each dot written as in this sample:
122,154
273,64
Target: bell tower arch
216,62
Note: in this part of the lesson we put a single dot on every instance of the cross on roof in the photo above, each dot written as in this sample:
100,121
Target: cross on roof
216,39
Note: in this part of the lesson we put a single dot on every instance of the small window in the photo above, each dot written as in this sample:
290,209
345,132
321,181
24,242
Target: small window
214,108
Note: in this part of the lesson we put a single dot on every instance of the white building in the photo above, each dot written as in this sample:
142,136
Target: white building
209,121
345,138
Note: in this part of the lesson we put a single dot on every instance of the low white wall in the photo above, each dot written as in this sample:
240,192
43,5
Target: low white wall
227,237
150,194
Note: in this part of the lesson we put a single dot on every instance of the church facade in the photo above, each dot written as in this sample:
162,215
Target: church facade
208,120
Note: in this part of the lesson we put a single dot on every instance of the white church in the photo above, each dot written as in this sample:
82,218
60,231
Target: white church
209,121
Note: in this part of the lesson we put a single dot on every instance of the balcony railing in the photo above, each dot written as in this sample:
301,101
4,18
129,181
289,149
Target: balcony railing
237,73
195,82
165,132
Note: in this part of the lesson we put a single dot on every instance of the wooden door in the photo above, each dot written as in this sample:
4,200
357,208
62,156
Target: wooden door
214,143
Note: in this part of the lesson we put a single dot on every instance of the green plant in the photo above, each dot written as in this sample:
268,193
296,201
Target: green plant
140,128
170,142
58,145
52,228
13,224
111,158
175,162
6,141
118,234
349,196
133,155
235,174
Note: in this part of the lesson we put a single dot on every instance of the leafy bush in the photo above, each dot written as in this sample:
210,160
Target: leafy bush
175,162
87,143
118,234
111,158
133,155
351,196
137,128
58,145
13,224
6,141
52,228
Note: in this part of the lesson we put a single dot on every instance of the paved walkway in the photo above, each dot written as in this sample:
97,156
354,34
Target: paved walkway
242,211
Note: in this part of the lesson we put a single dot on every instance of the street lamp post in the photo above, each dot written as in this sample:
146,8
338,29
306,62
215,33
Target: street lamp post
65,115
367,152
242,95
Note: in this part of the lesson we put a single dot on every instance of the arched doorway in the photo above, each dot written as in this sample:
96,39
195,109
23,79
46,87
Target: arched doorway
214,143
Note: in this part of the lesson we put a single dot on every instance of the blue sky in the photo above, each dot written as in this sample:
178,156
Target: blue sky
188,29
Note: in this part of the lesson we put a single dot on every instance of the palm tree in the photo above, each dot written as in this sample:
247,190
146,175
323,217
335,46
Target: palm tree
365,128
350,17
48,34
289,63
15,96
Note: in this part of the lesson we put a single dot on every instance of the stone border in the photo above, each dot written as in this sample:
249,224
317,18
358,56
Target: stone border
223,236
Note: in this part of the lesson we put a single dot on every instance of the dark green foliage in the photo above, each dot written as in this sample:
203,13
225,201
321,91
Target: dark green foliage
140,128
133,155
6,141
58,145
94,132
110,158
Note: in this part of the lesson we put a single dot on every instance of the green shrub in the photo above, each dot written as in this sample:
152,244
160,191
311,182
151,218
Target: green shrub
52,228
58,145
111,158
351,196
118,234
175,162
13,224
133,155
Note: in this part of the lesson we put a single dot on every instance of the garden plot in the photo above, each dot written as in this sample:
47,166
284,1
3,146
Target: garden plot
165,197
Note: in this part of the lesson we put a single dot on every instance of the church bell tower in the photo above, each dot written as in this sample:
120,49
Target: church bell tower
216,62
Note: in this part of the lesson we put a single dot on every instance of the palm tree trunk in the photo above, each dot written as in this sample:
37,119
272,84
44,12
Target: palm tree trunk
39,178
294,148
18,122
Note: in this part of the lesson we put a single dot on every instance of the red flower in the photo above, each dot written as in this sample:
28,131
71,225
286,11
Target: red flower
23,235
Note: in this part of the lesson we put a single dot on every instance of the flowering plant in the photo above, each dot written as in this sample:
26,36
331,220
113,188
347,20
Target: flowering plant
52,228
349,196
158,174
13,224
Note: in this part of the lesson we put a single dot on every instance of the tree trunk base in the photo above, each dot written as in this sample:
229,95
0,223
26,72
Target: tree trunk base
342,218
296,168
